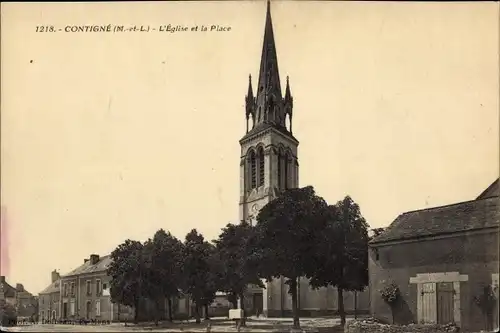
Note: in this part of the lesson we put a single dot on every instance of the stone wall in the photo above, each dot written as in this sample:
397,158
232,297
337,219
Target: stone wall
371,326
473,255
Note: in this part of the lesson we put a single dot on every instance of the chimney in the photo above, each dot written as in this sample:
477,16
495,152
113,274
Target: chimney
2,278
19,287
94,259
55,276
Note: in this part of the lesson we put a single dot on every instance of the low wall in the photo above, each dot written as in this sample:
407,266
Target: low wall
371,326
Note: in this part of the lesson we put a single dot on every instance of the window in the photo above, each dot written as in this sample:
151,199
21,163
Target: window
89,286
254,171
72,289
65,290
98,290
97,307
261,166
104,286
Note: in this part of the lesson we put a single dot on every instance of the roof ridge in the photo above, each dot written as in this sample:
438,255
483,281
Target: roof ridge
449,205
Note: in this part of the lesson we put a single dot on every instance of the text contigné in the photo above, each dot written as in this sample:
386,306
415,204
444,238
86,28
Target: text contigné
110,28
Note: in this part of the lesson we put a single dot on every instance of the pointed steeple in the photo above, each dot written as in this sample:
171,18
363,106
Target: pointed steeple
269,87
288,94
249,96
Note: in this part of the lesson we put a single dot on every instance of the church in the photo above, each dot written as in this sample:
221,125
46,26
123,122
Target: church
269,164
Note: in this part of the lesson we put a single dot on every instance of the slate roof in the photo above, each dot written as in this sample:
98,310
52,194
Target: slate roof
7,289
492,191
52,288
464,216
263,126
88,268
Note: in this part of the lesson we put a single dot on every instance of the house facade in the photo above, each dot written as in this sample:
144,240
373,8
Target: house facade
22,300
269,164
441,259
49,300
84,293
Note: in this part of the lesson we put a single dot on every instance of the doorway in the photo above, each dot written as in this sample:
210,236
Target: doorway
88,311
65,310
445,306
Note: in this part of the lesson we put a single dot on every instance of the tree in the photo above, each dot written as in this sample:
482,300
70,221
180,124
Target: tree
286,230
235,251
126,271
199,271
341,258
164,262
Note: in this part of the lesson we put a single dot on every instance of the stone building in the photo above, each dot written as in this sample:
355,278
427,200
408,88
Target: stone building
440,258
49,299
22,300
268,165
84,293
8,292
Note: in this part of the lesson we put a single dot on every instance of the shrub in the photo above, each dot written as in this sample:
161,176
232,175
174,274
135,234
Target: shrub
391,294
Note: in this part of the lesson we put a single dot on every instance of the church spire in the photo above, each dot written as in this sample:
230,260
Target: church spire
269,88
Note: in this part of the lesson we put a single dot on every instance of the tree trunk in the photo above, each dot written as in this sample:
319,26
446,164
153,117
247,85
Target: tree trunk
206,311
197,313
242,305
340,293
170,309
233,298
355,305
295,310
136,314
157,312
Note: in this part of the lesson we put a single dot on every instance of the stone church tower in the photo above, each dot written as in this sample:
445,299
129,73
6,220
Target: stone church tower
268,149
268,165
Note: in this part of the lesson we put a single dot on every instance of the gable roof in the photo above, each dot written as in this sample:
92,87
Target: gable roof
464,216
52,288
88,268
492,191
7,289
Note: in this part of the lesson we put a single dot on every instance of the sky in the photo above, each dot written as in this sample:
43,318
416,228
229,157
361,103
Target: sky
110,136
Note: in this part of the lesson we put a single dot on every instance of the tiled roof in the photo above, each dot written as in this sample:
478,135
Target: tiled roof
53,288
464,216
87,267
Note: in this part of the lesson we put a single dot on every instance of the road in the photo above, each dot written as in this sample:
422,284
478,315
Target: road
68,328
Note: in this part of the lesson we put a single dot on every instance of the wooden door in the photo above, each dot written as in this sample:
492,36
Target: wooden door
428,303
445,304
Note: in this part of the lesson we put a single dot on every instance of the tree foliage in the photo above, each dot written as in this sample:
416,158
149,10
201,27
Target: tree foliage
341,258
287,236
126,271
235,250
199,270
163,261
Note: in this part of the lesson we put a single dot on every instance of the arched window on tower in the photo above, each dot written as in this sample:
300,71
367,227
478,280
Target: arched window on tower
253,166
260,155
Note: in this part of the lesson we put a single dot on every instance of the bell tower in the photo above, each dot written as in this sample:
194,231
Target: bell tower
268,162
